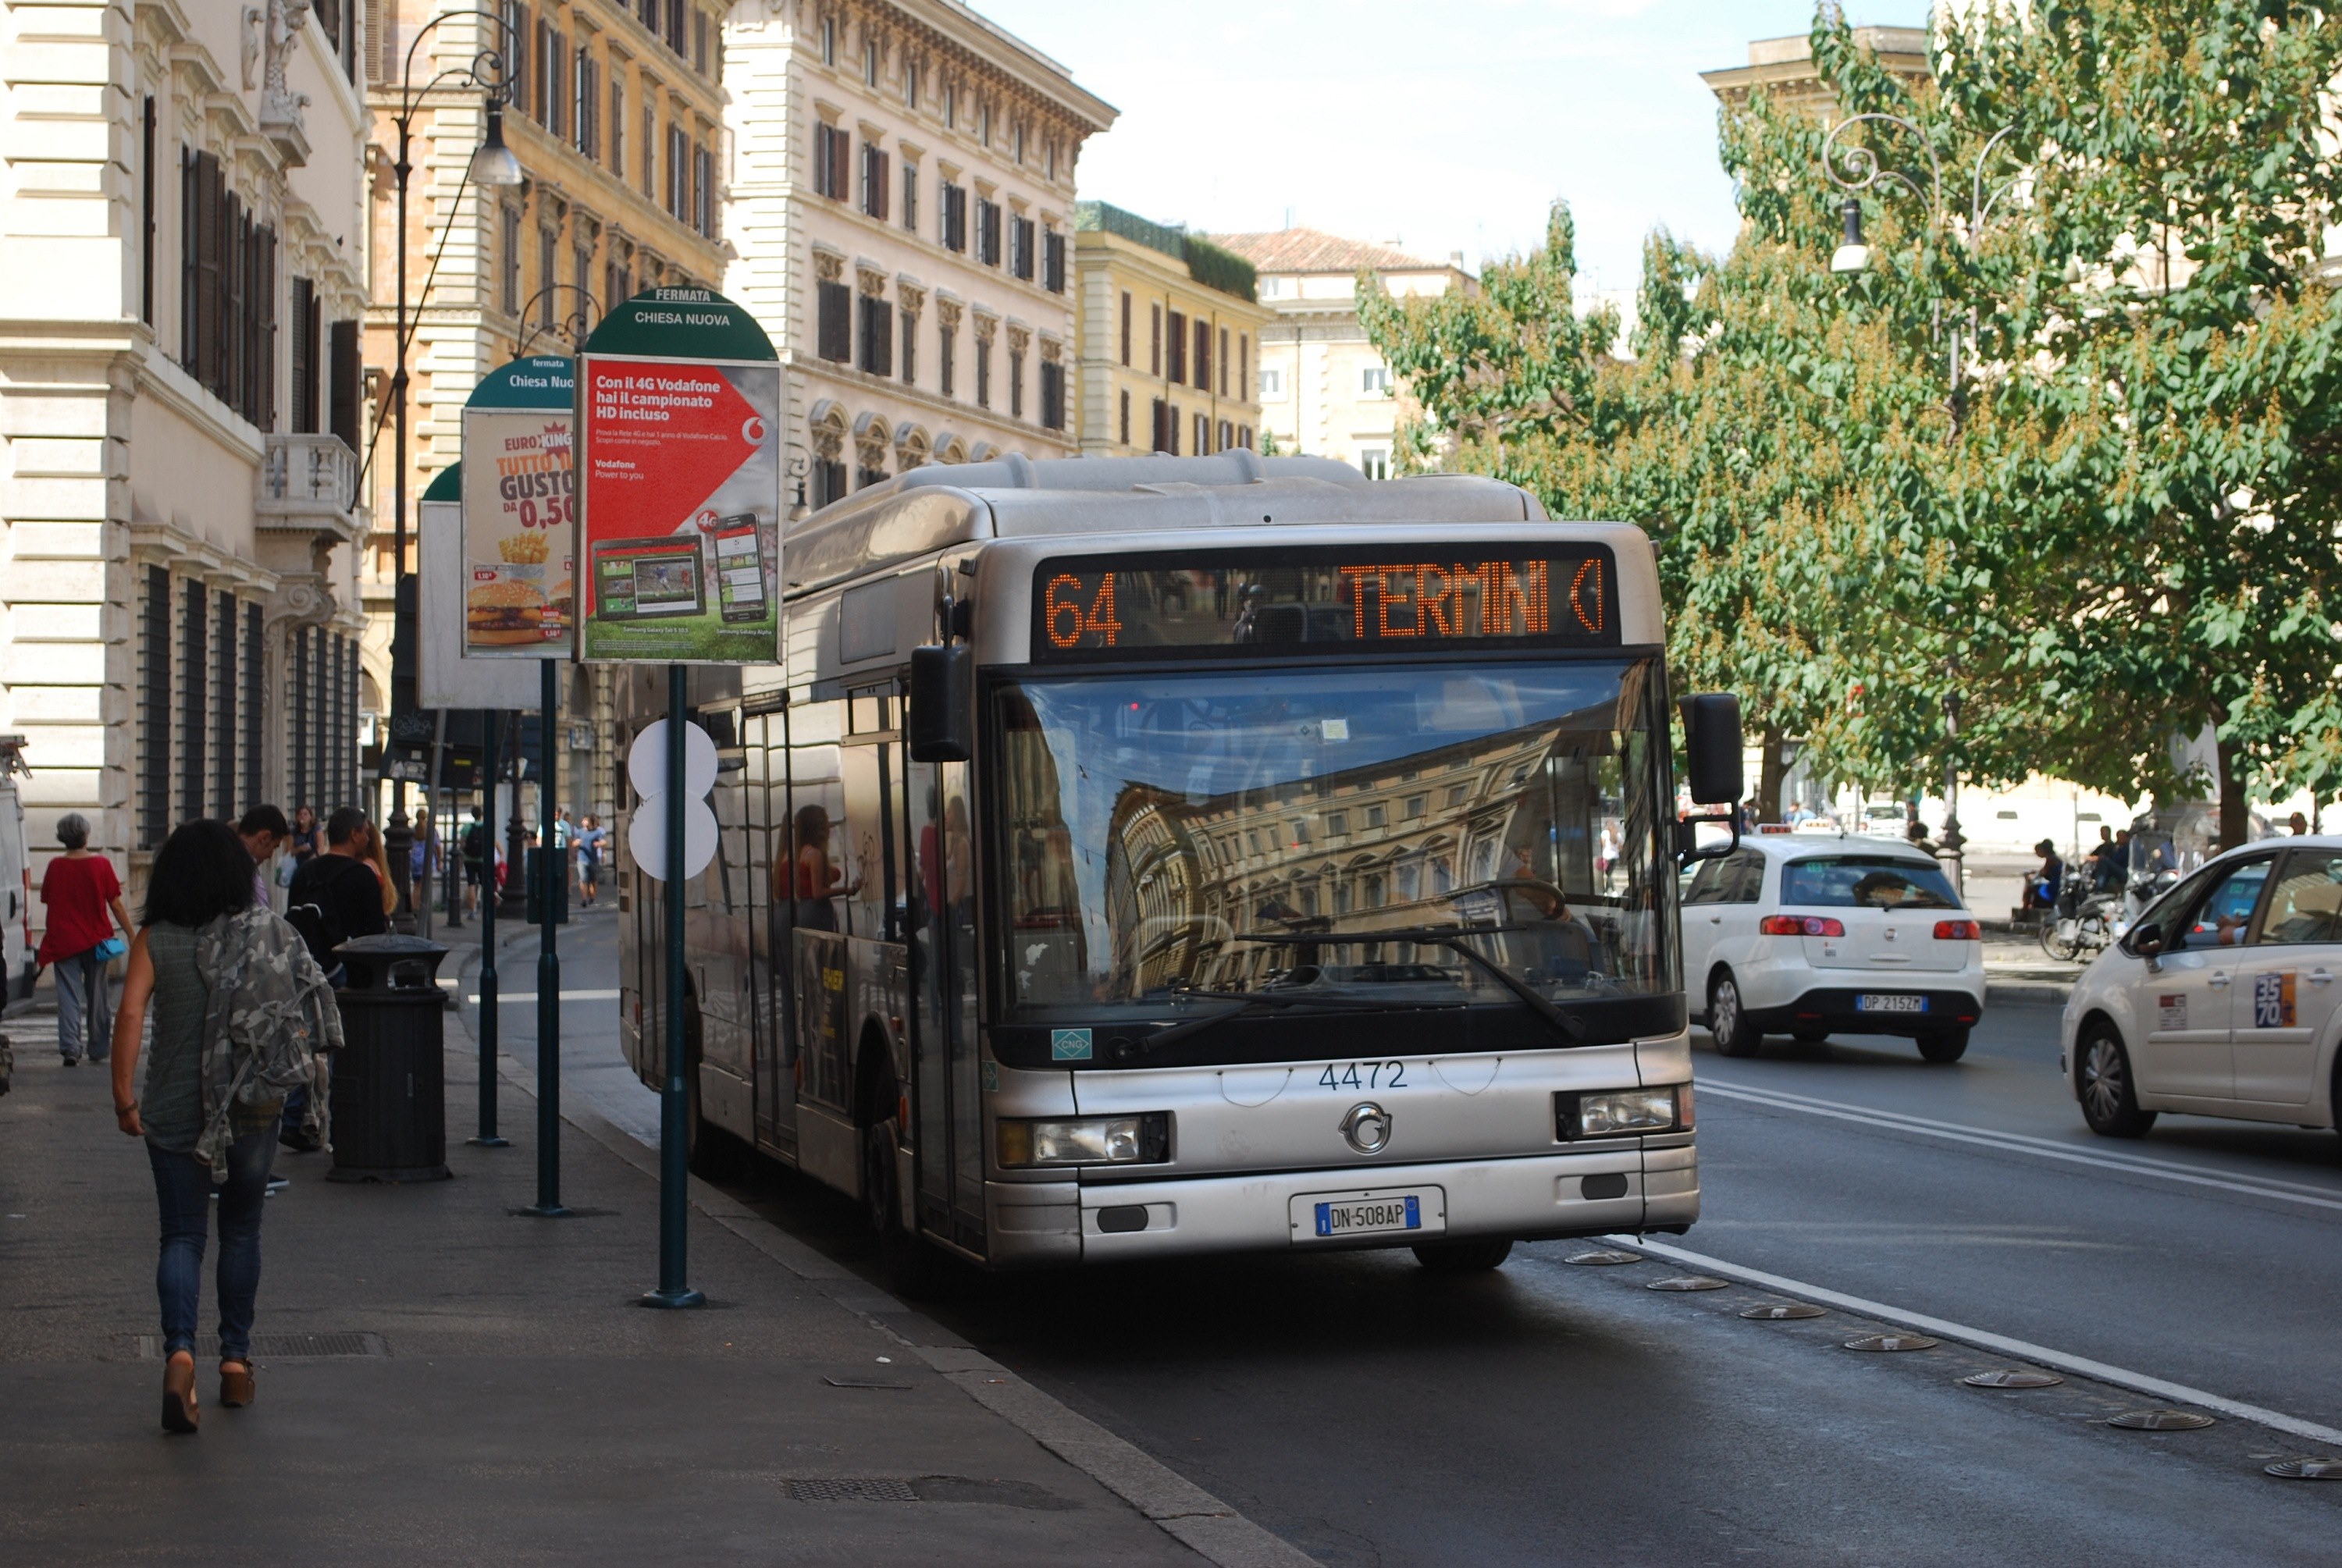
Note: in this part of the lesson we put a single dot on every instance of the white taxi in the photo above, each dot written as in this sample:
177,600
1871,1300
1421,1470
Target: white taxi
1791,934
2220,1000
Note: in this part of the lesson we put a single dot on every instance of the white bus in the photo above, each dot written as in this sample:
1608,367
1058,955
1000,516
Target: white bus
1153,857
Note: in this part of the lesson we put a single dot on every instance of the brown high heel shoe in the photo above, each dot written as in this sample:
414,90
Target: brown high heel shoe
179,1410
235,1387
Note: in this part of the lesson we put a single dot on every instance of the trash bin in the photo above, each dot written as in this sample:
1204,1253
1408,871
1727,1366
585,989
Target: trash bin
389,1086
537,866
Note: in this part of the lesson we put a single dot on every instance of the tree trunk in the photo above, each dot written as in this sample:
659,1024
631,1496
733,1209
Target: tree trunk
2235,809
1772,773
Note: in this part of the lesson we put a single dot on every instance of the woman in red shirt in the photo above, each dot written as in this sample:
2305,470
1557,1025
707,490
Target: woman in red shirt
80,889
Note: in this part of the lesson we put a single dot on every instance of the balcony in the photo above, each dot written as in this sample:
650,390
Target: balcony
308,484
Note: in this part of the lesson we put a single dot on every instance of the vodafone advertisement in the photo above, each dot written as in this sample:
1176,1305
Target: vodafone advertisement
679,478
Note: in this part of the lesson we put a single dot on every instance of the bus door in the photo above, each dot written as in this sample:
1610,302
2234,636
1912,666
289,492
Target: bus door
947,1098
765,746
868,849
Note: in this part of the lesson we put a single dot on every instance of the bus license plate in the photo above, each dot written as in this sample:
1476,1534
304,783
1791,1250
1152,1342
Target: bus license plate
1331,1216
1870,1003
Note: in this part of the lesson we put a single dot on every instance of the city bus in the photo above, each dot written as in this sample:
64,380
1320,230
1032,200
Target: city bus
1140,857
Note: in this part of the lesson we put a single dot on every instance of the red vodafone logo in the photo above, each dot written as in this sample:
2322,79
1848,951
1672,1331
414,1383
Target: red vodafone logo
752,430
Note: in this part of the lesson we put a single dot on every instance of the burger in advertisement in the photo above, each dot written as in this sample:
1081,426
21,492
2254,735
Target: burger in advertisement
501,612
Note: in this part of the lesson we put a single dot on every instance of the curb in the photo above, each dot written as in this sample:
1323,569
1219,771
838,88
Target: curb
1184,1511
2028,991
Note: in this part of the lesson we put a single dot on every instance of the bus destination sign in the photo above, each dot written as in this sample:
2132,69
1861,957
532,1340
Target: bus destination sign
1348,599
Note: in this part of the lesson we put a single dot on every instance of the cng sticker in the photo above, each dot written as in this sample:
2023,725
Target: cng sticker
1073,1045
2273,1001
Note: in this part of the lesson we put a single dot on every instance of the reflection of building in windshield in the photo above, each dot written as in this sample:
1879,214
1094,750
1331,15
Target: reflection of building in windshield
1379,847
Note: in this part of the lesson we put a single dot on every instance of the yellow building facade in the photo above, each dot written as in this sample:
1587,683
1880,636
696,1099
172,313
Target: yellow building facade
1169,339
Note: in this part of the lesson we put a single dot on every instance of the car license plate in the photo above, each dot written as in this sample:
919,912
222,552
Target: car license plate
1332,1216
1874,1003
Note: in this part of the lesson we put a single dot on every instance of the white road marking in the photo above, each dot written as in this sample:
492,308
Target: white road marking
1984,1339
503,996
2023,1144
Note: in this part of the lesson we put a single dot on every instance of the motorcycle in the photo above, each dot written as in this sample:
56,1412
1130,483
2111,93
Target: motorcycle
2083,923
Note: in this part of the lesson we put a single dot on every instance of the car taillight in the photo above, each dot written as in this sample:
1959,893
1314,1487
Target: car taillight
1800,925
1958,931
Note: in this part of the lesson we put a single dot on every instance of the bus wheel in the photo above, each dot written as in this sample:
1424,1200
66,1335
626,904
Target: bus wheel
914,1268
1463,1257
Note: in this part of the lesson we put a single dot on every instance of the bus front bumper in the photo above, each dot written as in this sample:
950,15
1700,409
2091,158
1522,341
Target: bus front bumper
1581,1192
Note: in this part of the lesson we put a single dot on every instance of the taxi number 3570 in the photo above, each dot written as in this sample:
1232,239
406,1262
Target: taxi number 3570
1364,1076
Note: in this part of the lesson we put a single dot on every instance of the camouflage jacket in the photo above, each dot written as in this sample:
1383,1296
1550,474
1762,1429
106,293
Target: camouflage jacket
271,1013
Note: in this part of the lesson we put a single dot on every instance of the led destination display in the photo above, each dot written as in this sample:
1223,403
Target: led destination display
1455,597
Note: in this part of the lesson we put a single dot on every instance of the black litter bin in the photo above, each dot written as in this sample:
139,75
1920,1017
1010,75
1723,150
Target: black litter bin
389,1098
538,865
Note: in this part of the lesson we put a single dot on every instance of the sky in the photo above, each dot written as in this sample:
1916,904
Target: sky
1441,127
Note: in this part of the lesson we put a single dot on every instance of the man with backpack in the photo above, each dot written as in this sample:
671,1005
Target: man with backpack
337,896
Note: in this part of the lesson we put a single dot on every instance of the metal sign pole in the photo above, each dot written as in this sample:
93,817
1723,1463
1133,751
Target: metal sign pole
674,1130
492,722
548,1205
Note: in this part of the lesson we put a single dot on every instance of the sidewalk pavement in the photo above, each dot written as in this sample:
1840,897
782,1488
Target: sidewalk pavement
2015,969
442,1380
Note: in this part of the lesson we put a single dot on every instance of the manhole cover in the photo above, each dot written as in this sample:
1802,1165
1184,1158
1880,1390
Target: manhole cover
1599,1260
1892,1341
2308,1469
1780,1311
854,1489
2159,1420
1688,1283
2015,1377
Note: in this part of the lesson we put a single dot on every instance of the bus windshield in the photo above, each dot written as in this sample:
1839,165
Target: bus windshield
1216,832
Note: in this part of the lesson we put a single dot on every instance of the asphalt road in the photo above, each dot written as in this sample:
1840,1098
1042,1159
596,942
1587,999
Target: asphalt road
1374,1414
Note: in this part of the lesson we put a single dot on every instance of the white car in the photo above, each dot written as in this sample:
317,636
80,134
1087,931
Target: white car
2220,1000
1789,934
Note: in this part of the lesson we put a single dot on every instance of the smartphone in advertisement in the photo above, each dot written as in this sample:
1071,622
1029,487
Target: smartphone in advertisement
739,543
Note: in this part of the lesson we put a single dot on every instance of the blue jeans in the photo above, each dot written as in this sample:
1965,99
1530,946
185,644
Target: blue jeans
82,998
183,1187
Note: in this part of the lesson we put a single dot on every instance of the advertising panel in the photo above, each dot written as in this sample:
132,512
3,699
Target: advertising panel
448,678
679,479
519,478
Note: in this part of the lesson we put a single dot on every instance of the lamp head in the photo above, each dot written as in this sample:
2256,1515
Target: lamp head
1853,257
494,162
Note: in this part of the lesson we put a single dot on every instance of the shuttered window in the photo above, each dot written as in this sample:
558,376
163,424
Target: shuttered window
345,375
155,709
1053,394
835,339
955,219
1020,248
256,705
874,181
195,669
1053,261
1125,342
1203,358
308,330
987,232
878,337
1178,368
227,280
224,694
946,360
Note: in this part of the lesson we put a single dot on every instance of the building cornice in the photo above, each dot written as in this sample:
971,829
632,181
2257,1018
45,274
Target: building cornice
950,410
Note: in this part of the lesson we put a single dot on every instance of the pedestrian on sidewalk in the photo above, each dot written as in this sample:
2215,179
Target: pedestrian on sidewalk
239,1009
342,893
262,829
477,844
80,890
591,838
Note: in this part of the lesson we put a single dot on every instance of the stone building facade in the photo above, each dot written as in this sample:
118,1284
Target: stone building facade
901,217
180,406
1170,334
615,115
1324,390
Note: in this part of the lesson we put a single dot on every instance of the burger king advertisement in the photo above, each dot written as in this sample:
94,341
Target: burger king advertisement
679,482
519,507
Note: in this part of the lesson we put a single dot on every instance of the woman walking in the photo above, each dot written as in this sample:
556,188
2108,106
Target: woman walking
239,1008
80,890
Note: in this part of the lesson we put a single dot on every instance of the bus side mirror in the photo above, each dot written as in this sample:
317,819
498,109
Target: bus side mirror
942,703
1712,747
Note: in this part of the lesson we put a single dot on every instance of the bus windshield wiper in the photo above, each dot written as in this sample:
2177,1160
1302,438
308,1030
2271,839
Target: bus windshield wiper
1245,1001
1452,938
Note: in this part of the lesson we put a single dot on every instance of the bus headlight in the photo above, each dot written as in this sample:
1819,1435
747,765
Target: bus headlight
1619,1113
1140,1140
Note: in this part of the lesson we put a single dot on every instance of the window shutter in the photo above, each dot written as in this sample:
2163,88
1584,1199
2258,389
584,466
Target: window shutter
265,338
209,284
1203,361
155,709
1054,262
835,330
346,377
1178,368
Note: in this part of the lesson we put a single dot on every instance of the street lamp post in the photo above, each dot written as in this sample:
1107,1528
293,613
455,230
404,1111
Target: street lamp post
492,164
1855,168
575,327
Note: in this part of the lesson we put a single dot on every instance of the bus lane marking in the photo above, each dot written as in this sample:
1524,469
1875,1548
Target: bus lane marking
1984,1339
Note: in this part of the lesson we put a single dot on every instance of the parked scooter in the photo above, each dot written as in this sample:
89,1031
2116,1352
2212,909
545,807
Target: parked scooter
2084,923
